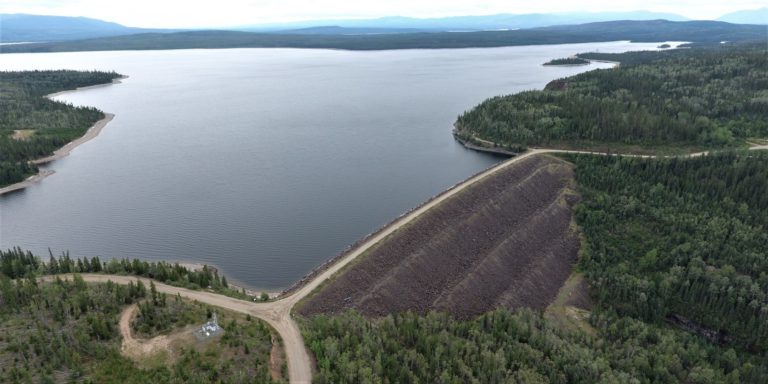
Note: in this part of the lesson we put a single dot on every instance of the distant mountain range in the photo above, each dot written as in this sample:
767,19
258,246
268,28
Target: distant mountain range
37,28
710,32
23,27
471,23
756,16
337,30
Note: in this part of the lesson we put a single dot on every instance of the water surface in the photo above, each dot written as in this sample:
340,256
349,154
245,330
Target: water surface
263,162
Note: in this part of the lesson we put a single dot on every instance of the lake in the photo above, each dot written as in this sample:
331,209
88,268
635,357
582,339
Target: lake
262,162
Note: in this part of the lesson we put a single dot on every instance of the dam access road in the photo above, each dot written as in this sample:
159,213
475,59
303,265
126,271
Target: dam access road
277,313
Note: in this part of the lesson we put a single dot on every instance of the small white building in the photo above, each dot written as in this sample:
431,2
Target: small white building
211,328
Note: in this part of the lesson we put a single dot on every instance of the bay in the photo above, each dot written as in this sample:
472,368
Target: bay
263,162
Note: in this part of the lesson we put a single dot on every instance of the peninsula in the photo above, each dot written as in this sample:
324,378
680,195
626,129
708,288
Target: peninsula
36,130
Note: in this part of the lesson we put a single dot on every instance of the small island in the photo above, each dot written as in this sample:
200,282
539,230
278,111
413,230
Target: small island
568,61
664,46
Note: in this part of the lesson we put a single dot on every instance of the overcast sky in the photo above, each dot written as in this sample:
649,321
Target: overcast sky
219,13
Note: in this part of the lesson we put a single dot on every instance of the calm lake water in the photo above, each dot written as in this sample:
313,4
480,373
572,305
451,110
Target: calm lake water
263,162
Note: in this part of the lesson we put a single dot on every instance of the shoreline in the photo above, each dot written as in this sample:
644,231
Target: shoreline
27,182
234,284
498,151
64,151
311,275
118,80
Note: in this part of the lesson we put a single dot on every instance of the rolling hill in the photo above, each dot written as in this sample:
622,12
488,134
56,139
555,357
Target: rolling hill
33,28
647,31
755,16
474,23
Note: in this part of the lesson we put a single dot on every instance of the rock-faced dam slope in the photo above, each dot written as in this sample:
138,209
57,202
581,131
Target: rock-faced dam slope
507,240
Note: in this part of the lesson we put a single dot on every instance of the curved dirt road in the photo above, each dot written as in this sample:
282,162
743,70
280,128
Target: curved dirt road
278,313
138,348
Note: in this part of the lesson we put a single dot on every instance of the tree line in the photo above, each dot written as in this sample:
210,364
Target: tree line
567,61
517,347
704,97
24,107
633,30
679,237
18,263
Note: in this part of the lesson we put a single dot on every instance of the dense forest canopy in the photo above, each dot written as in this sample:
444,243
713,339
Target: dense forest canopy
707,97
519,347
50,124
674,239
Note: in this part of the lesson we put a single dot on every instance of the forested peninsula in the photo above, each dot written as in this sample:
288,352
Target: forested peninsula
32,126
568,61
682,100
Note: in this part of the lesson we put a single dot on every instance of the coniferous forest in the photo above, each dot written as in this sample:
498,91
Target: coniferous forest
518,347
67,330
567,61
694,98
681,241
50,124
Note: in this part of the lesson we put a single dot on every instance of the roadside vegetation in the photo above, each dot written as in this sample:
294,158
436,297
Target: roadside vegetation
672,101
47,125
66,331
158,314
517,347
242,354
17,262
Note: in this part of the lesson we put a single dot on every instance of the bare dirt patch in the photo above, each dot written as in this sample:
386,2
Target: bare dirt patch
571,308
277,362
504,241
153,351
22,134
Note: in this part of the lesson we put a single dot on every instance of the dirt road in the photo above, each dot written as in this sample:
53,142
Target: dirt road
138,348
278,312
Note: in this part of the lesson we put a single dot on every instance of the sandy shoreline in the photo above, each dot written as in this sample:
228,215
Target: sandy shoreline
26,183
234,284
92,132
